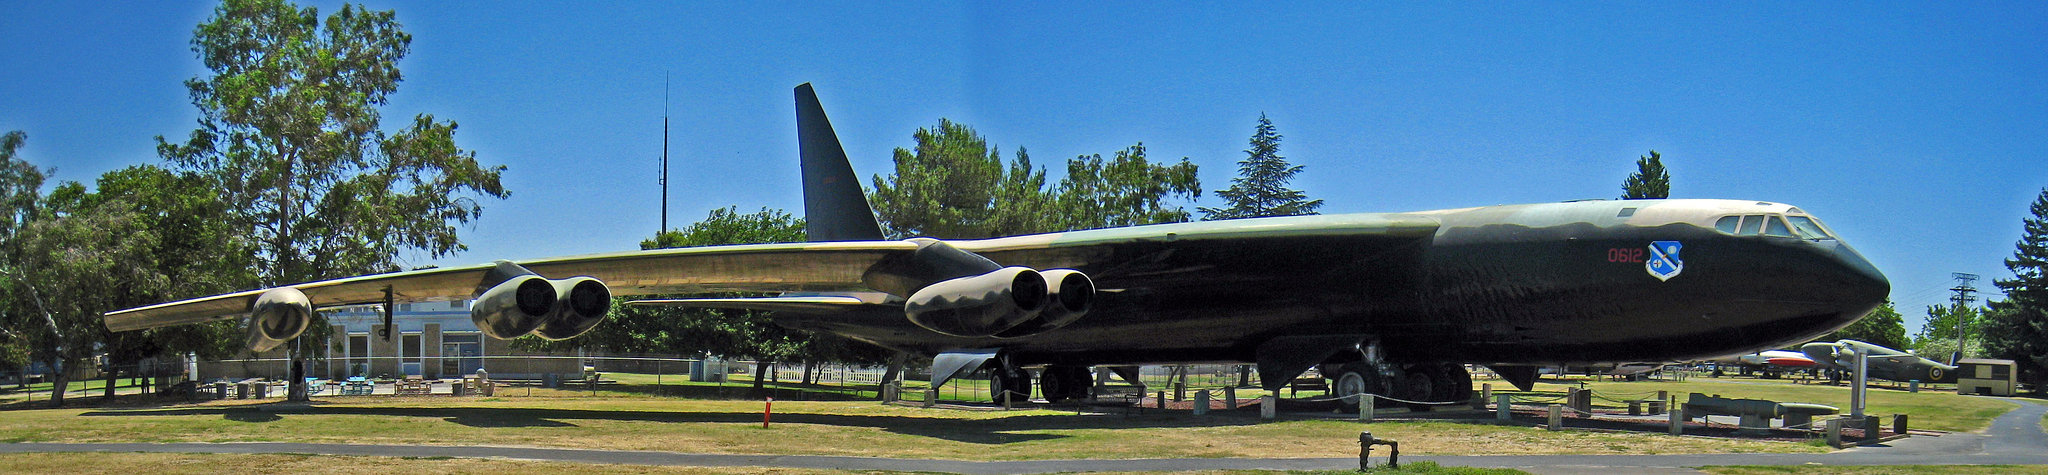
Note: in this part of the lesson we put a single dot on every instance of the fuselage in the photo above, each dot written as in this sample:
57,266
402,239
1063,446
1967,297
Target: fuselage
1590,281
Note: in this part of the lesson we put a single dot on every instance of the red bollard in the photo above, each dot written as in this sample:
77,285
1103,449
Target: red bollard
767,411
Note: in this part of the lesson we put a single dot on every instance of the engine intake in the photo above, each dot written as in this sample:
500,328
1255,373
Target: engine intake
580,303
1070,296
979,305
512,302
515,307
277,316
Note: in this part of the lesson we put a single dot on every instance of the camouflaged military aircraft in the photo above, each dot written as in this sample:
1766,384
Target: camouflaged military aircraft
1390,304
1880,362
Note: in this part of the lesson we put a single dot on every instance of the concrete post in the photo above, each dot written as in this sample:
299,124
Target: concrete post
1834,427
1365,402
1180,391
1478,402
1503,410
1269,407
1201,403
1162,399
1486,391
1230,397
1677,422
1556,417
1857,394
931,397
1899,424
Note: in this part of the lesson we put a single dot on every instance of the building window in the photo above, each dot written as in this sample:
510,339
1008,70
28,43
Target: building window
411,358
461,353
358,355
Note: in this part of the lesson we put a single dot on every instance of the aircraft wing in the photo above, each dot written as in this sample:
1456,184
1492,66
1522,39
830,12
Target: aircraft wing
814,267
761,268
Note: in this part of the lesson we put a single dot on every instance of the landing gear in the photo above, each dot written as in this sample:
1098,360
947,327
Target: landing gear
1424,382
1355,380
1065,383
1009,385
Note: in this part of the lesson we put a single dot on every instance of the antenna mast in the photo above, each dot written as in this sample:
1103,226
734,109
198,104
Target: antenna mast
664,156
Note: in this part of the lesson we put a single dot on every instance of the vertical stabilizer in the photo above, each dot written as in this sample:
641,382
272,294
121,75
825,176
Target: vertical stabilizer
835,209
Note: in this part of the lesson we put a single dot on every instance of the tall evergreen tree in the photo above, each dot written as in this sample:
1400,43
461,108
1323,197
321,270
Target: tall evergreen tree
1260,188
2016,328
1649,182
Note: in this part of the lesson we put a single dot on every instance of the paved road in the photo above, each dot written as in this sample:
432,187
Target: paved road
2015,438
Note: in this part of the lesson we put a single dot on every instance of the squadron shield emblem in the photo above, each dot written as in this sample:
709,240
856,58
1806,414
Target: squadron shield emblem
1664,262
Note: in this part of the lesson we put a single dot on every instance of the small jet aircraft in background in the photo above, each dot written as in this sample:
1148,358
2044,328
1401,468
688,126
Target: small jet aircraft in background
1771,363
1882,363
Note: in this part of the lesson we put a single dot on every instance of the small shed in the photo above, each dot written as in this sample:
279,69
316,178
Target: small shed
1986,377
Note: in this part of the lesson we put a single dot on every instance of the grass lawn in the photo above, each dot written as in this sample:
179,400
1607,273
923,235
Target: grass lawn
814,428
1927,409
171,464
338,464
702,417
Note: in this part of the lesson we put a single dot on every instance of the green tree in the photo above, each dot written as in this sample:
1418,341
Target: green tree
21,185
1883,326
954,185
289,126
1260,188
2017,327
20,188
145,236
1938,332
1127,190
1649,182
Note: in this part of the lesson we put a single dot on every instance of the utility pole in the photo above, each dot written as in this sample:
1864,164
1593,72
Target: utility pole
664,157
1962,300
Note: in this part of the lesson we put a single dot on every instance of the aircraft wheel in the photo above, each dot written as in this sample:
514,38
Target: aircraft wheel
1421,384
1016,386
1459,383
1064,383
1354,381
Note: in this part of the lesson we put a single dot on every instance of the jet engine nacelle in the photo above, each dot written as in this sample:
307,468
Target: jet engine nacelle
979,305
1070,294
580,303
277,316
552,309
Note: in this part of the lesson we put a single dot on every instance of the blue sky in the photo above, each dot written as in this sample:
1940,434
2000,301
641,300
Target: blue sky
1916,130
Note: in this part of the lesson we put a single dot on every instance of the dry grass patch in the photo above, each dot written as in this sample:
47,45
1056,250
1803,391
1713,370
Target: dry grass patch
153,463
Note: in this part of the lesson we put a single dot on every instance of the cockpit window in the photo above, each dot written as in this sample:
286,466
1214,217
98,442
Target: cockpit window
1808,227
1775,226
1728,224
1750,225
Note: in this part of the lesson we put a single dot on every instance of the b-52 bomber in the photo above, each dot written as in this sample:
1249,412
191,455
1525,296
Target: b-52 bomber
1391,304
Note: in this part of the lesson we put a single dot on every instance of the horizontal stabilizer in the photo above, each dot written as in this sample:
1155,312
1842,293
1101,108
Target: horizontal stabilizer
799,304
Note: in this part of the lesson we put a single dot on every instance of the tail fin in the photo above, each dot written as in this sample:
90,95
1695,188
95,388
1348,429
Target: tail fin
834,207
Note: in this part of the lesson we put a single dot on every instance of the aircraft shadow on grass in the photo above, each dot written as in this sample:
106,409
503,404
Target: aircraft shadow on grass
997,431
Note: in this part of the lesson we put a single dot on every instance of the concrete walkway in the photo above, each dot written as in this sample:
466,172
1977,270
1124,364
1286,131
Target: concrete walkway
2014,438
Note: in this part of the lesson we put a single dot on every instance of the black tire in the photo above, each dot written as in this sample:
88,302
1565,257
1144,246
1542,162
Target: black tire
1003,384
1420,384
1064,383
1460,382
1353,380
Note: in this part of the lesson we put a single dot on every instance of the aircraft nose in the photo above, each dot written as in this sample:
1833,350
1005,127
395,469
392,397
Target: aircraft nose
1865,283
